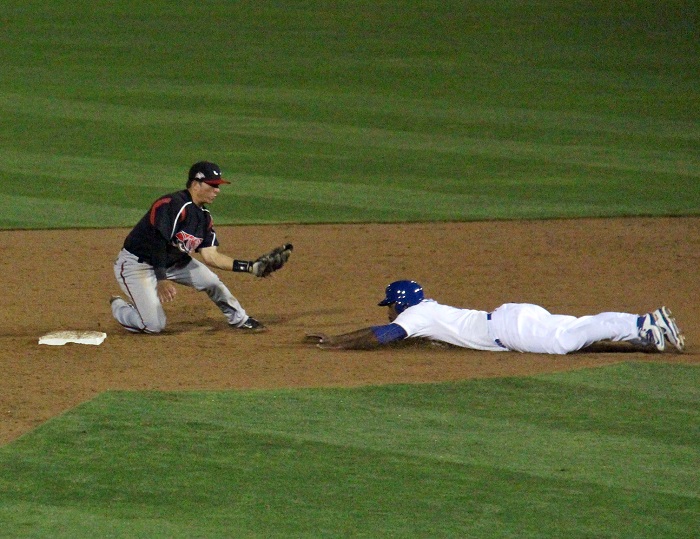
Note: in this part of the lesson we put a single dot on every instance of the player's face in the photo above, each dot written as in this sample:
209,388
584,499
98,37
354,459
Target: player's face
392,312
206,193
211,190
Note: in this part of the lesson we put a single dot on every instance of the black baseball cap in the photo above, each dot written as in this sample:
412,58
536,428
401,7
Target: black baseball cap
204,171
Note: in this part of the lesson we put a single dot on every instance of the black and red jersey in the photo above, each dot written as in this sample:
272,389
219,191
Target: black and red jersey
173,228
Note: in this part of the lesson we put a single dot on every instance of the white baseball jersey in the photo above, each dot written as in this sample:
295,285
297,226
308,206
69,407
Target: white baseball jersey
462,327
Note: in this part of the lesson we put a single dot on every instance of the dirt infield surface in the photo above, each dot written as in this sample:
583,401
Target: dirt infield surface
58,280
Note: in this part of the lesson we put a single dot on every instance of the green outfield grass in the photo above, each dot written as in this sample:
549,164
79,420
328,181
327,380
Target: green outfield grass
608,452
349,111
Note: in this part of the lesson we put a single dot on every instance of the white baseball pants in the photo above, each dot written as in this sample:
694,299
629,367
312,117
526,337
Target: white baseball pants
524,327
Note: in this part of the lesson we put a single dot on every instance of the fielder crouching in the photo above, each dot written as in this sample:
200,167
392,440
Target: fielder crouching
519,327
156,254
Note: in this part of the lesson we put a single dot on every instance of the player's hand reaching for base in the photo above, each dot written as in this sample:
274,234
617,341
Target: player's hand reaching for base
361,339
320,339
166,291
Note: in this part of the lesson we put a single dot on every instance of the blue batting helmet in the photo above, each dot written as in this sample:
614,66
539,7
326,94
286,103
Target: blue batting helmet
403,294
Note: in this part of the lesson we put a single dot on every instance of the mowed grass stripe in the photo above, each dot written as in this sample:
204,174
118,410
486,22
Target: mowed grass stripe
338,500
383,202
411,112
310,103
533,456
676,384
537,427
64,213
101,173
346,196
507,446
277,487
106,203
637,159
611,437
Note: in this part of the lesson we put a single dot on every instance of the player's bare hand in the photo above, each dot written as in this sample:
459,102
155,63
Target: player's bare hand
166,291
321,339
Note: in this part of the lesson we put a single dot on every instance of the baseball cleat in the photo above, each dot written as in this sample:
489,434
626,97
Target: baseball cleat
664,319
650,333
251,325
119,298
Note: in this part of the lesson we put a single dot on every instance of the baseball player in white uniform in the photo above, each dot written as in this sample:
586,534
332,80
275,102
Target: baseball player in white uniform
519,327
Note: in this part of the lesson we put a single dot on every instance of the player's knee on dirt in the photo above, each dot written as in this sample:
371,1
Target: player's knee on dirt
153,331
154,326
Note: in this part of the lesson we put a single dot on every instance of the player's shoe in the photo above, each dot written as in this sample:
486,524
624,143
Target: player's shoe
112,301
664,319
649,333
251,325
119,298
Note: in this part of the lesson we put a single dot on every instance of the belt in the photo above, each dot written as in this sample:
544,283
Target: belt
497,341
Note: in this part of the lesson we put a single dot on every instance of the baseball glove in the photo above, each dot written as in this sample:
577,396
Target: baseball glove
266,264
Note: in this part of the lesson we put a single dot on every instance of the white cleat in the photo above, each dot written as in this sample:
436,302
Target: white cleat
650,333
665,321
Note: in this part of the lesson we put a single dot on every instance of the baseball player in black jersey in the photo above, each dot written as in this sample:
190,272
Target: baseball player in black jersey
157,252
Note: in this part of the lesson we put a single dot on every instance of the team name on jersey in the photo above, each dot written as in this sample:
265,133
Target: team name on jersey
186,242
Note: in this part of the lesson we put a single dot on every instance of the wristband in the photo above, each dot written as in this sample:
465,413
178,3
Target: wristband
242,266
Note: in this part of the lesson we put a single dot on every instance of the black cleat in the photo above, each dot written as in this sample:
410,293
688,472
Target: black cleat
251,325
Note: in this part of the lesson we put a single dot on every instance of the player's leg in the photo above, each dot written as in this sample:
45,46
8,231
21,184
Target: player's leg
200,277
137,280
531,328
574,334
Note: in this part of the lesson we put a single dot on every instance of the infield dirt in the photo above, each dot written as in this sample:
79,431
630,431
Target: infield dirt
56,280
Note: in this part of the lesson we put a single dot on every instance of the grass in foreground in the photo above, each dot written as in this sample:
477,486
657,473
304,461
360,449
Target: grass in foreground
609,452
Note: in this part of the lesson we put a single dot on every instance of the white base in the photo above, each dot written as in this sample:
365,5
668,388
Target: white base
59,338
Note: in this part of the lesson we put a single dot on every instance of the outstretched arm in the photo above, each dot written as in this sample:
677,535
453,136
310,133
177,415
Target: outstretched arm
362,339
212,257
263,266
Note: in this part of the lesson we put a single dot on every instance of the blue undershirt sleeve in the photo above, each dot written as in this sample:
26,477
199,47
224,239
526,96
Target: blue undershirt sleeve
388,333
